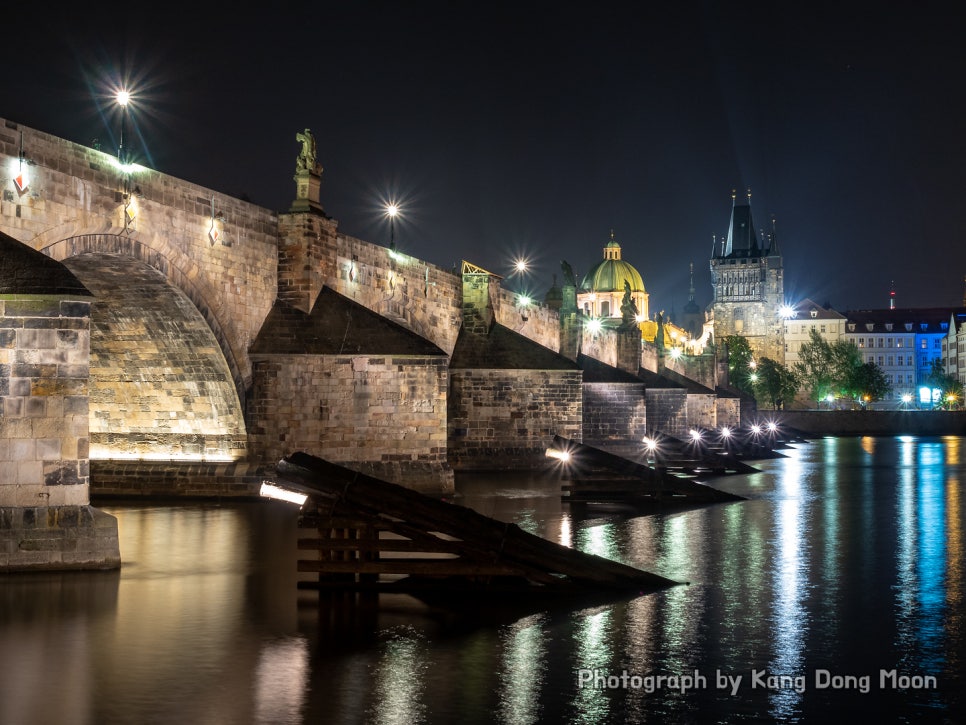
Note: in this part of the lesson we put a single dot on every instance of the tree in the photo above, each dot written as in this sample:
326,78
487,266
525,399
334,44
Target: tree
815,367
740,363
775,383
837,369
867,383
950,389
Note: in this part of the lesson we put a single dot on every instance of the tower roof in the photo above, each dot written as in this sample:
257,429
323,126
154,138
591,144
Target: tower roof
742,239
611,272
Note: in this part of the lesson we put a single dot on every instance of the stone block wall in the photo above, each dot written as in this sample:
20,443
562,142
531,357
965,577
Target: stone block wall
44,358
614,412
504,419
702,411
382,415
728,412
667,411
220,251
46,521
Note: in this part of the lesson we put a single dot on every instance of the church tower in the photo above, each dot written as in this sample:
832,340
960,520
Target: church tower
746,274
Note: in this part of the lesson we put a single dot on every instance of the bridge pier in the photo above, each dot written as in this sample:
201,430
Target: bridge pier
46,521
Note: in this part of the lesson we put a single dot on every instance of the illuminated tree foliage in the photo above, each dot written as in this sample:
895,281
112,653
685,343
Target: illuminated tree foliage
950,389
776,384
740,363
837,369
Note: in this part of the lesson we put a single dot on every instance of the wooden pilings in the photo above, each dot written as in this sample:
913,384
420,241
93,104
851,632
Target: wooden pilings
367,534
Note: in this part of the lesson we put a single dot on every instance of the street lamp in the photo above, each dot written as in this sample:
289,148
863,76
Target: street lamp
391,211
123,98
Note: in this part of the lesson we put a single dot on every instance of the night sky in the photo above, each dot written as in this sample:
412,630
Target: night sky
535,129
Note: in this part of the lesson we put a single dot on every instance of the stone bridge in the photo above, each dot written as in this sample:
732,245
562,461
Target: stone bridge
229,335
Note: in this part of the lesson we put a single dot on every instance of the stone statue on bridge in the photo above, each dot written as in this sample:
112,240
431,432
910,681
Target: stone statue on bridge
628,307
306,160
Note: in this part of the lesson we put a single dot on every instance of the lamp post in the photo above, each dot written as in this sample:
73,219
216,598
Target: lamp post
123,98
391,211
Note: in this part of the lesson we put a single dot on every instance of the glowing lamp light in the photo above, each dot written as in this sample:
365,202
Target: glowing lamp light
695,434
675,352
726,432
786,311
650,443
524,300
392,211
594,325
269,490
755,429
772,426
906,398
558,454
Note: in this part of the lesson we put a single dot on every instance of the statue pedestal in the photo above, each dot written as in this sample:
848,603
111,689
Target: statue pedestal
307,189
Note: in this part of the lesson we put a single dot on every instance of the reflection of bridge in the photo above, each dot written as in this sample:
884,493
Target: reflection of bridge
222,332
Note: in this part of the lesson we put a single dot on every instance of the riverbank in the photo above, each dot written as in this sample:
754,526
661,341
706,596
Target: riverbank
872,422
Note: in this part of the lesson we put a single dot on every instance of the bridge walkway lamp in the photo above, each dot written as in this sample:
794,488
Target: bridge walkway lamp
391,211
123,98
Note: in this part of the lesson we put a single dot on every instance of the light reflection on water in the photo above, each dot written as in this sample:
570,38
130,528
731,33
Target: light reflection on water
847,556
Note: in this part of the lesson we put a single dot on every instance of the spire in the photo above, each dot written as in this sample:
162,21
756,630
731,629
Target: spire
773,246
691,287
742,240
892,296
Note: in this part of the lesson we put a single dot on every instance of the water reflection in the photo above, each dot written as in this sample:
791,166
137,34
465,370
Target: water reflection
846,555
594,653
398,679
789,620
281,680
522,671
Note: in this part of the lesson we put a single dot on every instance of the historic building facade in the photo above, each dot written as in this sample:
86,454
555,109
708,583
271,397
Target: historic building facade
747,278
804,317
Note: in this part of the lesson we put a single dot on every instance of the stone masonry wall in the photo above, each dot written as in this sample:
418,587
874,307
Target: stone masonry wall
44,344
702,411
668,413
507,418
382,415
221,251
613,412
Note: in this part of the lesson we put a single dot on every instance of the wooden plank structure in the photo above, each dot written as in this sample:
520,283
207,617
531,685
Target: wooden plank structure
593,475
365,534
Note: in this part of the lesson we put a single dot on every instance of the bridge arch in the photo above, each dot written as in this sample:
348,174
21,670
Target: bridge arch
161,384
178,277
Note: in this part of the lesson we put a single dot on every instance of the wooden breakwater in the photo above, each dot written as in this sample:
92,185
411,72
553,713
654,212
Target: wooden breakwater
360,533
593,475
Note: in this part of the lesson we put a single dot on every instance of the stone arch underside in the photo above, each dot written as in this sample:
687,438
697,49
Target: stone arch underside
160,386
124,246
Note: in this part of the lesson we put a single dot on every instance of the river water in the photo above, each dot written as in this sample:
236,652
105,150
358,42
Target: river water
834,591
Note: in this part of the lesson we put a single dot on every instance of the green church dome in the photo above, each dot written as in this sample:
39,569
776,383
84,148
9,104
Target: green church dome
611,272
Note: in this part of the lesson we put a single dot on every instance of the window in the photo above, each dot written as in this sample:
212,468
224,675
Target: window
909,360
922,343
879,342
889,341
822,328
880,361
861,342
889,361
937,343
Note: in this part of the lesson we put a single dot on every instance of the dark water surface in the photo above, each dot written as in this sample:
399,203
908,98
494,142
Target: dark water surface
834,592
